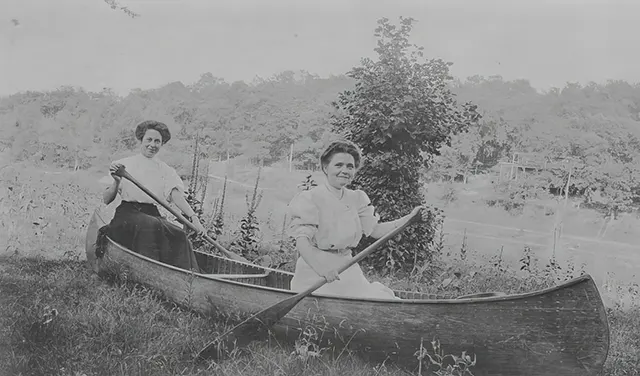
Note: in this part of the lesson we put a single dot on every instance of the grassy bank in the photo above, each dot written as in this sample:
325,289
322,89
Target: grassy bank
57,318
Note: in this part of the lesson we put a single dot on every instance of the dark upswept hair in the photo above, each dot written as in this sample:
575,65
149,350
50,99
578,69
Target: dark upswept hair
162,128
341,146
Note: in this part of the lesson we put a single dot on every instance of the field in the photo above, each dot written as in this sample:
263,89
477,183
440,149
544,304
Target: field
56,318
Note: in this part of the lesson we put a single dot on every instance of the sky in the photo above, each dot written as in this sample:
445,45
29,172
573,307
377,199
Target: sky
86,43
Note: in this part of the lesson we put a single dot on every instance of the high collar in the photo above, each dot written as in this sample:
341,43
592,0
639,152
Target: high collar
338,193
154,160
145,157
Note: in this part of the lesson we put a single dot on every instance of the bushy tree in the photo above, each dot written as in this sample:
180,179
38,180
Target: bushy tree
400,113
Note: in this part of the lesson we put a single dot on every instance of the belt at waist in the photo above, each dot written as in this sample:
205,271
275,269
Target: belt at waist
142,207
339,251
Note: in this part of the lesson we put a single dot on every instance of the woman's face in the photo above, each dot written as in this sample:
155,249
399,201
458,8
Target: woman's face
340,170
151,143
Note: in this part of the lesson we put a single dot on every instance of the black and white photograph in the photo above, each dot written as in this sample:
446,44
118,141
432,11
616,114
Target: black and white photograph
319,188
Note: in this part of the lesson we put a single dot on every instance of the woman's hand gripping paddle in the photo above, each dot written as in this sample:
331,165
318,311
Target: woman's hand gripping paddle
242,334
123,173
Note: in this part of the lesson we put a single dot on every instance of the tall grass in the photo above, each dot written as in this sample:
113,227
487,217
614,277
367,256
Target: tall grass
112,328
45,214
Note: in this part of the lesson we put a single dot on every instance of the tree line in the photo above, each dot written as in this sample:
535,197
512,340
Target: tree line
595,126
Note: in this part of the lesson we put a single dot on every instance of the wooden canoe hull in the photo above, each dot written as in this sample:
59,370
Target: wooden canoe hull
558,331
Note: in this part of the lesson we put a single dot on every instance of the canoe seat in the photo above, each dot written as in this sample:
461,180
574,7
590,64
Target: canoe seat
482,295
237,276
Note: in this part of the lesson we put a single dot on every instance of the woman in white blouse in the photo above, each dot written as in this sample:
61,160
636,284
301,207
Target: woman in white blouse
328,220
137,224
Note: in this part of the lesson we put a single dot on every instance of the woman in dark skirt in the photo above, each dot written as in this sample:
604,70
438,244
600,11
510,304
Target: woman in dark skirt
137,224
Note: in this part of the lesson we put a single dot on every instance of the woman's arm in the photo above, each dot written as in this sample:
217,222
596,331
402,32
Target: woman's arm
384,228
110,193
178,198
312,256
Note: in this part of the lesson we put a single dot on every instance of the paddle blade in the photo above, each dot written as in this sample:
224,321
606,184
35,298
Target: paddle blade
248,330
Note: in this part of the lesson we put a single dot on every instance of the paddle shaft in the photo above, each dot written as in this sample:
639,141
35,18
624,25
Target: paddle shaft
270,315
123,173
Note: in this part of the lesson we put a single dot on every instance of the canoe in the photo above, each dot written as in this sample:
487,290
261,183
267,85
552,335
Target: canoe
561,331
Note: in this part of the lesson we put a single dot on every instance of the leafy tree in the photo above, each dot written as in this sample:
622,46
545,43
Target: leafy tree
399,110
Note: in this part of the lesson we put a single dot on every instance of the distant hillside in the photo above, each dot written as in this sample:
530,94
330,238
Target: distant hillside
267,121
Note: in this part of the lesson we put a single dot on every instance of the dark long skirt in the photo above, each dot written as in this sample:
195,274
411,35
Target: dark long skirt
140,228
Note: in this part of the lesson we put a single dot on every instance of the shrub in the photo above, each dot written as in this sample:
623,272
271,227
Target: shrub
400,110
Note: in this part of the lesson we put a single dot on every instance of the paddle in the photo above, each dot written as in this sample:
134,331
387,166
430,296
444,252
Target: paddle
123,173
270,315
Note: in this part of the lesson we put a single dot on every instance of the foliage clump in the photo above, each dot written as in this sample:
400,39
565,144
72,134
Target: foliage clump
400,113
513,195
216,220
248,241
307,183
195,197
441,364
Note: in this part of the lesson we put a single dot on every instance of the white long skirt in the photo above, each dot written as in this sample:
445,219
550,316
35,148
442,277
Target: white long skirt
352,281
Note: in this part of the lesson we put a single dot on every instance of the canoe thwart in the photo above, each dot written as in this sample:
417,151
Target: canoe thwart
237,276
